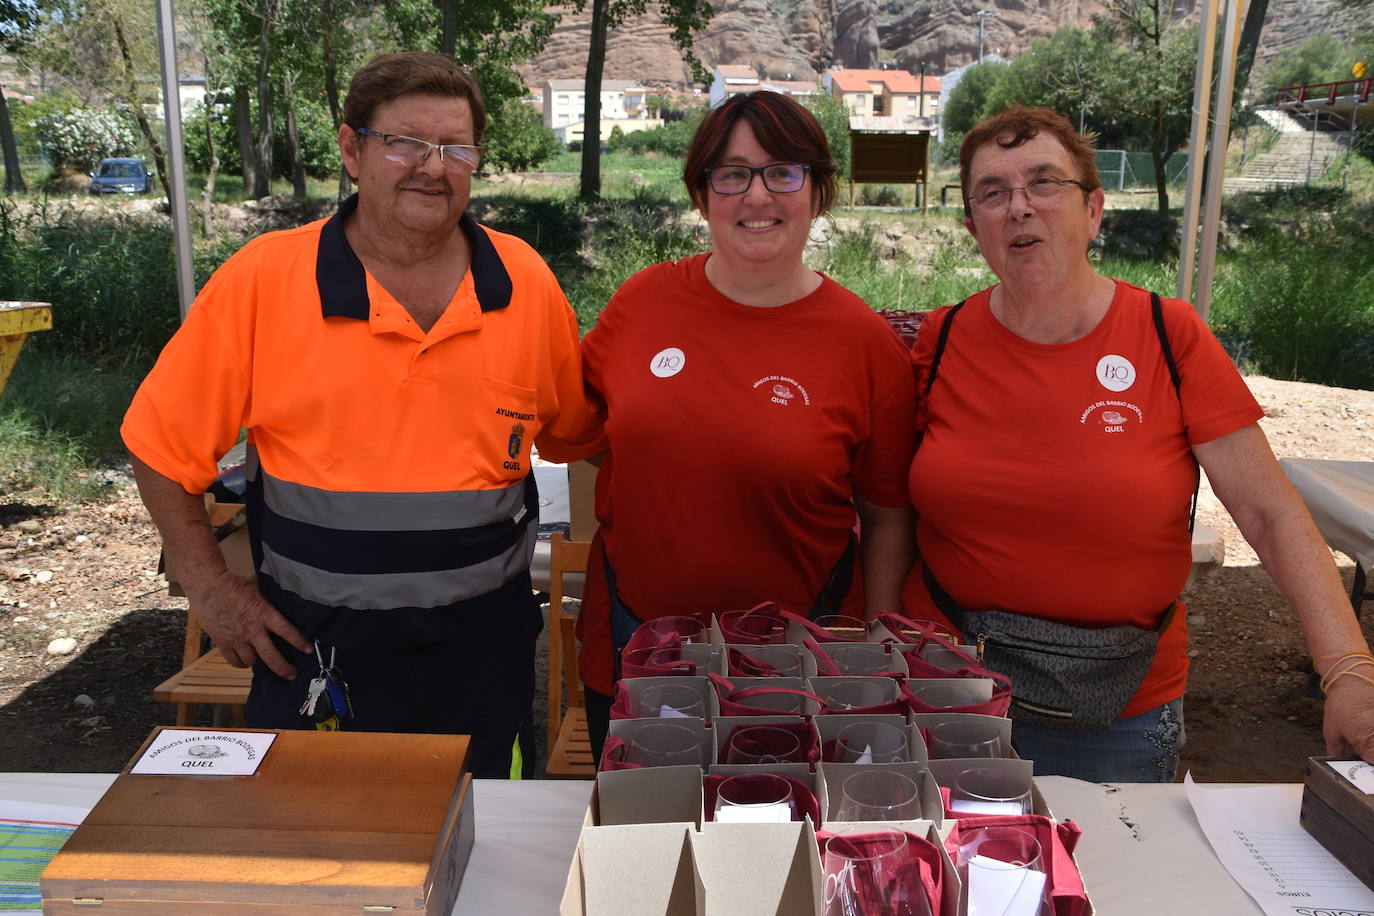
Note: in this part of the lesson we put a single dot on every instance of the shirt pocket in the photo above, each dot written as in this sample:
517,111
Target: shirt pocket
505,426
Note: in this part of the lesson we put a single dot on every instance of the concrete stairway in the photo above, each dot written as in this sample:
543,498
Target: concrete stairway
1295,158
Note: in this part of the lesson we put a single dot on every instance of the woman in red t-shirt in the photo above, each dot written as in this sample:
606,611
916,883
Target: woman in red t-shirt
1064,415
755,409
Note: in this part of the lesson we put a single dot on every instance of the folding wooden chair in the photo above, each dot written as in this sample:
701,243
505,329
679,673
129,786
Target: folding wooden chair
570,748
205,676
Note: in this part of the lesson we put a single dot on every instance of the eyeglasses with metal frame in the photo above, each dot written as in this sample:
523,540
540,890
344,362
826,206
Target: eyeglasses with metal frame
1044,191
779,177
458,157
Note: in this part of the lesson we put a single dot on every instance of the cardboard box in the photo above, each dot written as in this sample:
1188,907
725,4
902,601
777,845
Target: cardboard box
1340,814
331,823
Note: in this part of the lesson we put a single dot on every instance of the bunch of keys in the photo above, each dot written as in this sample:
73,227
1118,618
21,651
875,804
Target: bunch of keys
326,699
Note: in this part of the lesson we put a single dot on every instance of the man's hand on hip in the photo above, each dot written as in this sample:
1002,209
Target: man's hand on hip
240,622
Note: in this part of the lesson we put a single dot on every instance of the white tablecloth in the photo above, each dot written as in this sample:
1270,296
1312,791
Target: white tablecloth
1340,496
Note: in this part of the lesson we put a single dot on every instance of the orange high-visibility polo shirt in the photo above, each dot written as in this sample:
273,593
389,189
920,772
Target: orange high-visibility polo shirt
388,466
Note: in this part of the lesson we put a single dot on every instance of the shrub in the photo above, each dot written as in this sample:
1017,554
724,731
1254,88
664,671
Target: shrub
517,140
834,117
78,138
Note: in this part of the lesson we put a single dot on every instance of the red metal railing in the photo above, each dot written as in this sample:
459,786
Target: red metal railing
1326,92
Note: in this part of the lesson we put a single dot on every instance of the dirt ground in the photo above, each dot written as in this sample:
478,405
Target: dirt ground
89,574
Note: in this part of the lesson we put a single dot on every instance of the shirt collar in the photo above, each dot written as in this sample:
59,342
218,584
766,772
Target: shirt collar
342,282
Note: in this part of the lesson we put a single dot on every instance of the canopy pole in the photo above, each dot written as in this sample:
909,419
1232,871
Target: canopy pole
1197,145
1216,173
176,156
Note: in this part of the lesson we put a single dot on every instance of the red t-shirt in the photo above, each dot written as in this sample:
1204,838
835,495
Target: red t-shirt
738,437
1055,480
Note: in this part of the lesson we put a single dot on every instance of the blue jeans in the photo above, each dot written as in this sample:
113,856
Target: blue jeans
1142,748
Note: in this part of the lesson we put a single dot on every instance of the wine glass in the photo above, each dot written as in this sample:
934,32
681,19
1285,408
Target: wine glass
855,693
758,744
864,874
872,742
782,660
758,798
754,629
988,790
689,629
879,795
945,657
670,701
1001,871
942,696
965,738
659,744
859,658
844,626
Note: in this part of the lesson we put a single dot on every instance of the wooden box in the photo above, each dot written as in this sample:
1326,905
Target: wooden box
331,823
1339,816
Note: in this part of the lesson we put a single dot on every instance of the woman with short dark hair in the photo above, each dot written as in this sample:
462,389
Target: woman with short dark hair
755,410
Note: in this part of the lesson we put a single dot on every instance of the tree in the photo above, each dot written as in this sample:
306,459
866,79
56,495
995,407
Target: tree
834,117
17,21
1061,72
1147,82
517,140
1319,59
107,48
967,100
683,16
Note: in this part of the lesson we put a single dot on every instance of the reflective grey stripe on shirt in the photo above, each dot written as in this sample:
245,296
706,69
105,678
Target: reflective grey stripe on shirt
362,511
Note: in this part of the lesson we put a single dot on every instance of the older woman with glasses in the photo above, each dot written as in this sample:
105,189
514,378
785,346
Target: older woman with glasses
1063,417
754,409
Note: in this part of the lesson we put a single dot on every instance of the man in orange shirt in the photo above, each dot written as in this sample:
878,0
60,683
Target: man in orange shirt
392,366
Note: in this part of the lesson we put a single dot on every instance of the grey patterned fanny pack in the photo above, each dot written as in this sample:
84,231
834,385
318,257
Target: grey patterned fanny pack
1062,676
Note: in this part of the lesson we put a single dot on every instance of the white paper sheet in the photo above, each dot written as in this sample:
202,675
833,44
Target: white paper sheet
1256,835
779,813
186,752
997,888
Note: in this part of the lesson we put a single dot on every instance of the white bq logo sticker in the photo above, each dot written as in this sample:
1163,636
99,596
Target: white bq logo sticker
667,363
1115,373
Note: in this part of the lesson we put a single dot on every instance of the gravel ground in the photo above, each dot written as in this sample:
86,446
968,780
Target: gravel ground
88,574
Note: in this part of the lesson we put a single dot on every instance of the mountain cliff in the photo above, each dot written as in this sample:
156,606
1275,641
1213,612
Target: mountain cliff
797,39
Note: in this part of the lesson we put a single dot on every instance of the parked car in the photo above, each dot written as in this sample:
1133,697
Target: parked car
121,176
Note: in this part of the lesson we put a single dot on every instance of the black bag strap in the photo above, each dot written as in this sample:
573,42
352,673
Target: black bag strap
956,611
837,585
1157,311
940,345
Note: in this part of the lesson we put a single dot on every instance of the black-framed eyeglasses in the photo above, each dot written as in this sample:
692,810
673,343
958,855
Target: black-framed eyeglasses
1045,192
780,177
458,157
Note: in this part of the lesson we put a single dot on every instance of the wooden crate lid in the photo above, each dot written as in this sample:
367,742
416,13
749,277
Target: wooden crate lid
344,818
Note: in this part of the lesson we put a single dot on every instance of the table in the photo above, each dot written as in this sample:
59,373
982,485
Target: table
1340,496
1141,842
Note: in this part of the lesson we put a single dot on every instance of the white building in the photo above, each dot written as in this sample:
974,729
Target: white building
732,79
565,101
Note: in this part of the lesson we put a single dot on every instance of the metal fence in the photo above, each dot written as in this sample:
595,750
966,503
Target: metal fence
1119,169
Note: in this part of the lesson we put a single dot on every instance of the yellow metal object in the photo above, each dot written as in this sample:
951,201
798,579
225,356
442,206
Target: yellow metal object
17,321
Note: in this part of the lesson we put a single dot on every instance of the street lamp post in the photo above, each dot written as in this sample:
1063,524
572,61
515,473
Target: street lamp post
982,24
922,90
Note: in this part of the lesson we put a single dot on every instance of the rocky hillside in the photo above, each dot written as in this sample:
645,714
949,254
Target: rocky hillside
798,38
